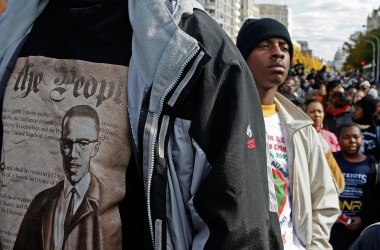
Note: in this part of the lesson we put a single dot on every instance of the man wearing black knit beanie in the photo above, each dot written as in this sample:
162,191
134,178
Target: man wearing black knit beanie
254,31
301,188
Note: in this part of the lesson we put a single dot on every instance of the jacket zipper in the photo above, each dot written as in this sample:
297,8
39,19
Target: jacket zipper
154,138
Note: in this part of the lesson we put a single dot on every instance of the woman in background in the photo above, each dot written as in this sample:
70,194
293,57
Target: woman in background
365,116
314,109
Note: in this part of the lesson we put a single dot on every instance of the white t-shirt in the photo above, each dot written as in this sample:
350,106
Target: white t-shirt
278,160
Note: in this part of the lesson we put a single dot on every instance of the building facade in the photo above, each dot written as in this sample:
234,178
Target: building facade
281,13
226,13
304,48
373,20
249,10
231,14
339,59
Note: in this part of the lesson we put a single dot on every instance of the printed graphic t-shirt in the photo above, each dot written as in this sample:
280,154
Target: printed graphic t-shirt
278,160
74,63
357,177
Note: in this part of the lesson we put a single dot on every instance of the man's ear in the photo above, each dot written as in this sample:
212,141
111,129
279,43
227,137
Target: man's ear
95,149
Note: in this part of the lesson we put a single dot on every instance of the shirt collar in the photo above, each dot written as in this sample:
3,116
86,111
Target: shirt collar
81,187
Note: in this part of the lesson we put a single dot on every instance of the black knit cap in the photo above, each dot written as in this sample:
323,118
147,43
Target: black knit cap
255,31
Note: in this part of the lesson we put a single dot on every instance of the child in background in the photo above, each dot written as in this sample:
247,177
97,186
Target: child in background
359,200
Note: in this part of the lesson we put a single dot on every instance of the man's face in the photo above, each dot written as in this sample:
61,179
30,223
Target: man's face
269,63
79,144
350,140
289,86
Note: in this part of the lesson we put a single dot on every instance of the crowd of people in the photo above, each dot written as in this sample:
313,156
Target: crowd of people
141,125
345,109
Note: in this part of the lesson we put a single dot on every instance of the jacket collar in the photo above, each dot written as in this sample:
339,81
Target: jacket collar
160,48
291,116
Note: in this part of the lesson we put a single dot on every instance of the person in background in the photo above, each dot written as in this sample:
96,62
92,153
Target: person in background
314,110
322,74
288,88
338,111
373,93
358,95
307,87
299,67
303,191
374,90
358,80
311,75
318,93
318,123
299,81
377,116
299,102
369,238
365,86
351,91
332,87
373,84
364,115
359,201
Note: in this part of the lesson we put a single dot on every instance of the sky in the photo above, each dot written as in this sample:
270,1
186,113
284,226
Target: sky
327,24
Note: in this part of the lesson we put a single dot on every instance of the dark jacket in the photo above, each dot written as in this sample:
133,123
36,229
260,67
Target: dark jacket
199,138
333,121
371,203
369,239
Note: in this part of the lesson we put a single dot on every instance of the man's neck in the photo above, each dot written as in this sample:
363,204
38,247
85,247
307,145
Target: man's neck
266,96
